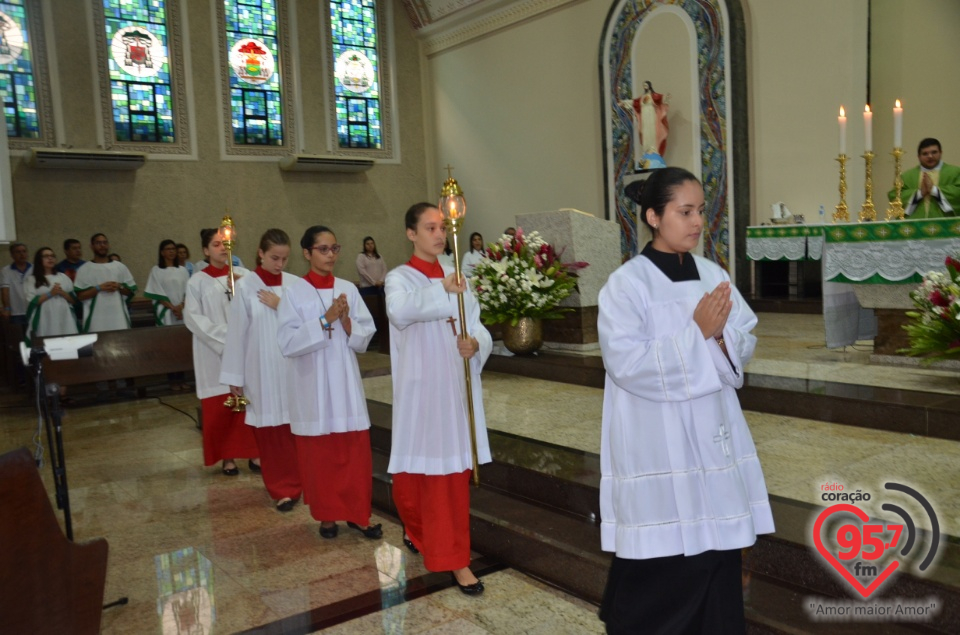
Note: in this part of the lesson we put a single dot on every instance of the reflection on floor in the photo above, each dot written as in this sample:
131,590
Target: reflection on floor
190,546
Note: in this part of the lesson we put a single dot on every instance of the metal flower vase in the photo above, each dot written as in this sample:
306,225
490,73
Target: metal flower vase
525,338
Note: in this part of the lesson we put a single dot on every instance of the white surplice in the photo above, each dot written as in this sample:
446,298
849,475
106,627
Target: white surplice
106,310
326,389
252,357
679,470
54,316
205,314
431,433
169,284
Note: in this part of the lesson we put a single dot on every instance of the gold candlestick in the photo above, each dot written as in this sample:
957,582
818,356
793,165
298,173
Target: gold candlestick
867,211
842,215
453,206
895,211
228,232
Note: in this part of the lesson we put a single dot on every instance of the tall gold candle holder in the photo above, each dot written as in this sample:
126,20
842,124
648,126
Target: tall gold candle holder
453,206
842,215
867,212
895,211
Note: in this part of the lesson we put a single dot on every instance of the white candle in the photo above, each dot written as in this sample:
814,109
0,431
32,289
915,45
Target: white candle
843,131
867,128
897,125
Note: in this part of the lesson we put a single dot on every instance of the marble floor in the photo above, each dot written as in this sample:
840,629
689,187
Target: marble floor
184,537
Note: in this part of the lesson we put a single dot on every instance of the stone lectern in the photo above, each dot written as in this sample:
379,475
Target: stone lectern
582,237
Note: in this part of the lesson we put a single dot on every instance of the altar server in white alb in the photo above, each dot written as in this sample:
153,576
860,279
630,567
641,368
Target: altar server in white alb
105,287
323,325
681,490
50,298
225,435
167,286
254,367
431,457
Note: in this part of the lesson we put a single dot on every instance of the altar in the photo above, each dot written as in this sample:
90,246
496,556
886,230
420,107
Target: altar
869,270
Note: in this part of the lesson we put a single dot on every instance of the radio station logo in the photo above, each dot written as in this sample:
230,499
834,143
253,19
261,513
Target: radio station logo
866,553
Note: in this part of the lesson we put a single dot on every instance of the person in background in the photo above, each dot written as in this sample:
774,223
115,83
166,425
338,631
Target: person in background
473,257
167,288
73,252
115,257
932,189
371,268
105,286
510,231
14,307
183,258
50,299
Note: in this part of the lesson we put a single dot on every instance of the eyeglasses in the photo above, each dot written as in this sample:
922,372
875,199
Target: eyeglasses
326,249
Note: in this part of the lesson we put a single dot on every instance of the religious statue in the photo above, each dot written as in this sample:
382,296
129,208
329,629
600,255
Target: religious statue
650,111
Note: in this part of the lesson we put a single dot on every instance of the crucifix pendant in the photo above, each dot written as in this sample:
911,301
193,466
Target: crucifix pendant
453,325
329,330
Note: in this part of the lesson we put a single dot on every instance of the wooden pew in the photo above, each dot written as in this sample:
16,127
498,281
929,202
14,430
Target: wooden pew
47,583
130,353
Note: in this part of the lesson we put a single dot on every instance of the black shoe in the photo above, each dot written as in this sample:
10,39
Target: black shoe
373,531
253,466
469,589
231,471
329,532
409,544
286,505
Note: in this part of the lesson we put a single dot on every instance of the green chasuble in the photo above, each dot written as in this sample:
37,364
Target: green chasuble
949,186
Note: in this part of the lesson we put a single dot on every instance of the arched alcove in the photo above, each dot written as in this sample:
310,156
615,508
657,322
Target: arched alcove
708,117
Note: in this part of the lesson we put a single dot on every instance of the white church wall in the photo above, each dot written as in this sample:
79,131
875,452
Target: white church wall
914,49
516,112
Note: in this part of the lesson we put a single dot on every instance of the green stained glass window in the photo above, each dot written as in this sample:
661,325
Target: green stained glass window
353,26
17,87
139,70
255,82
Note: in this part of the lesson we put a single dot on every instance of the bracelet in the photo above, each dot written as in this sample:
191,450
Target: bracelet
323,322
49,294
98,288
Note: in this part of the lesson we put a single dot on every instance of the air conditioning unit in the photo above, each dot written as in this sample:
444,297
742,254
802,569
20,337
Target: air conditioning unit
313,163
85,159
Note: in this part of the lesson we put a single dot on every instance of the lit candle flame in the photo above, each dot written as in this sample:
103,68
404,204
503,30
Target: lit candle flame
842,113
897,105
866,108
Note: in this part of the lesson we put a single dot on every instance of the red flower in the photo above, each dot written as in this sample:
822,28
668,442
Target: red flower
954,344
953,263
937,299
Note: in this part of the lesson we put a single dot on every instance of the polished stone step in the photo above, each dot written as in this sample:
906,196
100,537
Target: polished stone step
546,525
934,415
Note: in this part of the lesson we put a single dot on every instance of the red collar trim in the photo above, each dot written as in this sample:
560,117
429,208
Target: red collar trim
269,279
318,281
429,269
213,272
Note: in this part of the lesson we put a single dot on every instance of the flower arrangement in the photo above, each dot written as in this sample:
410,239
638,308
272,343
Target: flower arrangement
522,276
934,328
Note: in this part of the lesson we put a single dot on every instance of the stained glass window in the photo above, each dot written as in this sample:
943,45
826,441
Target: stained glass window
255,83
353,26
139,70
16,72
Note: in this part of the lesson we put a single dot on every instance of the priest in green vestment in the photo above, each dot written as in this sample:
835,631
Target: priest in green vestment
932,189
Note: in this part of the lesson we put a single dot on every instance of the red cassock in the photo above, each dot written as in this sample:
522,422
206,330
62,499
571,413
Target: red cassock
225,435
279,463
435,511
